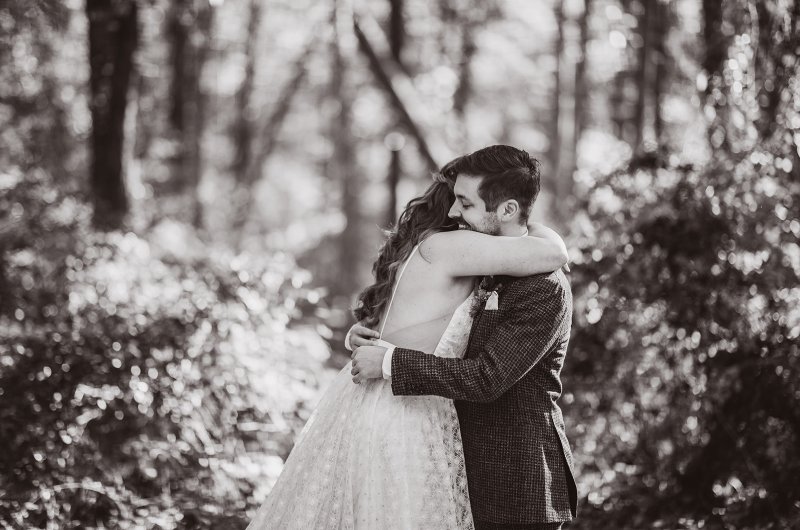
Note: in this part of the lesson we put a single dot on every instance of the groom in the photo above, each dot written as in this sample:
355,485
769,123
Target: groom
519,465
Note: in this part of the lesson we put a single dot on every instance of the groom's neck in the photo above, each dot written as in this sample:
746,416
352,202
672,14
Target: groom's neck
513,230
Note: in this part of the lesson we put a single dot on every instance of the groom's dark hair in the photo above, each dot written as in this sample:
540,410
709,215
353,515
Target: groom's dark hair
508,173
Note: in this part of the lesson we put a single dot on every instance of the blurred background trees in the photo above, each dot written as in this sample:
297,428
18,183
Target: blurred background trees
192,193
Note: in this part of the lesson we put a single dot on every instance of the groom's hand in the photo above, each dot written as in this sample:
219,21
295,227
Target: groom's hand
368,363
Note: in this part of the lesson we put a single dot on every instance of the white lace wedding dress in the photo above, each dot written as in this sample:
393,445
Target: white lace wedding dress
369,460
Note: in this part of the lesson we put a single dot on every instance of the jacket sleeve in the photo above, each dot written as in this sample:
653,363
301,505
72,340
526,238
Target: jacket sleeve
531,325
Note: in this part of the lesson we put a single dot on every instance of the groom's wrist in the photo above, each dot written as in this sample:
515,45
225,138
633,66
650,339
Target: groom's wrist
387,362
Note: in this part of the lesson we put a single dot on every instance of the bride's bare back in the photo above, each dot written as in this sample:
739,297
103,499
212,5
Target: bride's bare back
438,276
424,301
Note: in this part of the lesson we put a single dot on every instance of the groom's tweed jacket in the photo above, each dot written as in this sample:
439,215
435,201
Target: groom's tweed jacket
519,464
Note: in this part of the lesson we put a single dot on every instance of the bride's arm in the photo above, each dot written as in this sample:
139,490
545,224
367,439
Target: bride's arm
468,253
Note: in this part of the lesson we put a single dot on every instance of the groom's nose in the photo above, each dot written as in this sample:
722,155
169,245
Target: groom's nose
453,213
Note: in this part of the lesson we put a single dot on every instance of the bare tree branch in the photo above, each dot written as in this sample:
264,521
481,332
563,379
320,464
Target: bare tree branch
399,88
267,136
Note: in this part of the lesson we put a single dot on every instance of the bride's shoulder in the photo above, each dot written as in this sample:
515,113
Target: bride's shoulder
441,245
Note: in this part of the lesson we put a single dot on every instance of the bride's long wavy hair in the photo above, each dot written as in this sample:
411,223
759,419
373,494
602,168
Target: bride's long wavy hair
423,216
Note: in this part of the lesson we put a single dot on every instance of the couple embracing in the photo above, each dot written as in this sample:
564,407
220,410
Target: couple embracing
447,416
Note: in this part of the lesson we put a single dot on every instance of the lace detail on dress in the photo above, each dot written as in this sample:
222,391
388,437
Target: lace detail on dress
455,337
367,459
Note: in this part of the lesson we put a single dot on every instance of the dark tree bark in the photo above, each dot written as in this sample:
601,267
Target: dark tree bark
662,27
716,52
397,29
265,132
617,104
643,76
397,37
581,89
6,302
464,89
178,32
243,128
392,180
568,114
562,132
12,229
776,40
267,139
189,27
112,42
343,167
619,100
715,40
197,103
554,153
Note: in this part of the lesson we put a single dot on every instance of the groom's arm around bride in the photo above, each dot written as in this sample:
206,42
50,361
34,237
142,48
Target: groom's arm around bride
519,464
530,326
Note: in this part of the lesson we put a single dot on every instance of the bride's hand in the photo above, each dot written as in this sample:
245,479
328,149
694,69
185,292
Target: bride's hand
361,335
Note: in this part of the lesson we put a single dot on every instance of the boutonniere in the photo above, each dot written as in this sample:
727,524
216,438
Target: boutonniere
487,295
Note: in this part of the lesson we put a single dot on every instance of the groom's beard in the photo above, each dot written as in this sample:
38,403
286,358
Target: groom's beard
463,225
491,226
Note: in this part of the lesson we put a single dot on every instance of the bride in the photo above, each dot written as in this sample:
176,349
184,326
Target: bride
367,459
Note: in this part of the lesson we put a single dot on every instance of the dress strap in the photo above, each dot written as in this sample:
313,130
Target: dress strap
394,289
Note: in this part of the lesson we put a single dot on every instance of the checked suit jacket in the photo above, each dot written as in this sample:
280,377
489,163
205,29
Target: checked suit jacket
518,460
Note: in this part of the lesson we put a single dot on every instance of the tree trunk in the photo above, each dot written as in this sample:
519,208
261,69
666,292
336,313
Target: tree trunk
397,29
617,105
716,52
643,77
581,91
266,140
715,39
460,131
618,100
243,128
197,103
563,146
12,228
178,32
468,49
660,78
397,37
776,40
7,303
189,27
393,179
343,166
554,153
112,42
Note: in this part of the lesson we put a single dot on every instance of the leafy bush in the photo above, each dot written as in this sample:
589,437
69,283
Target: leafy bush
140,387
685,364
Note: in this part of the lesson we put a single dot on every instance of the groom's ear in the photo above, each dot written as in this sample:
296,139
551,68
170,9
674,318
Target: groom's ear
508,209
